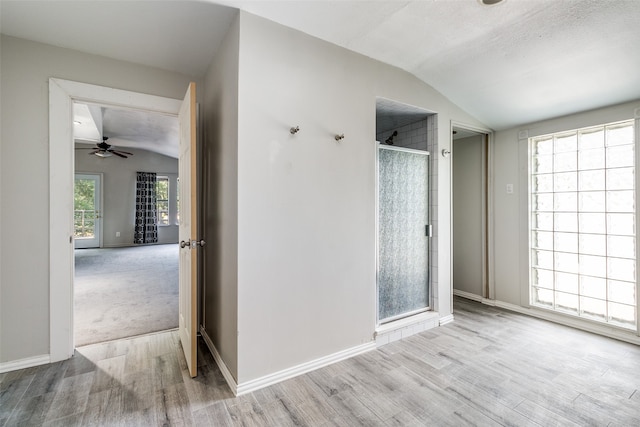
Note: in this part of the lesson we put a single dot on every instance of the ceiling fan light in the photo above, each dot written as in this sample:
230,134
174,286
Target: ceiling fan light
103,154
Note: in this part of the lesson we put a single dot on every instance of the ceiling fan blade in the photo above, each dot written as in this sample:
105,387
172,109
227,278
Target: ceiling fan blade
86,148
118,154
121,152
94,152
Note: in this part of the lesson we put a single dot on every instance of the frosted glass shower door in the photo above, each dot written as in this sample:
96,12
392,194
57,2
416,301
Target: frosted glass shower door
403,245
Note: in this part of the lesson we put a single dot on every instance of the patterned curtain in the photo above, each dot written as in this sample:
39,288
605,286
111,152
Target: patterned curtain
146,227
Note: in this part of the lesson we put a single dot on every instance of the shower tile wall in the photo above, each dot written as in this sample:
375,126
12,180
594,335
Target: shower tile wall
422,135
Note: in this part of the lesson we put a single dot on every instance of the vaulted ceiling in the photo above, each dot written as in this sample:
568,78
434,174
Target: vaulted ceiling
506,64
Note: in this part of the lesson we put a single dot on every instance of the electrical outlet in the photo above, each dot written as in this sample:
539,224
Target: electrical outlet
117,234
509,188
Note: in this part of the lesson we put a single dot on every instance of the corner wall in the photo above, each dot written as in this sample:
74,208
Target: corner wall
24,175
220,200
306,203
511,210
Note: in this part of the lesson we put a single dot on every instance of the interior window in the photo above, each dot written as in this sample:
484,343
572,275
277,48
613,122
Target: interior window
582,223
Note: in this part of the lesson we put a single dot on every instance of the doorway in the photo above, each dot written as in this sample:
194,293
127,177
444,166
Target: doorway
87,221
470,201
123,288
62,95
405,206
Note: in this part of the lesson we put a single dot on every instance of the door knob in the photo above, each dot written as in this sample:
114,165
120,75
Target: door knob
201,243
184,244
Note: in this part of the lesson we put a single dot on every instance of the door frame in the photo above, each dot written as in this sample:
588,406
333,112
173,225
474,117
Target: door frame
488,286
62,94
99,179
378,147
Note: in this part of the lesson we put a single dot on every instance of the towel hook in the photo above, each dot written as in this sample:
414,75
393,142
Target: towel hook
294,130
339,137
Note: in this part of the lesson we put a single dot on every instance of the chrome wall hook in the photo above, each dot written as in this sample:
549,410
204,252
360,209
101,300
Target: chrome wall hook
294,130
339,137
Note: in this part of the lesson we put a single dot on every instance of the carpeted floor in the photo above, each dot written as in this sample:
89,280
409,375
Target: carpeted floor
123,292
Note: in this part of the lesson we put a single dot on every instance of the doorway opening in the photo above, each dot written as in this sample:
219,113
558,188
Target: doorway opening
470,215
123,288
62,96
405,214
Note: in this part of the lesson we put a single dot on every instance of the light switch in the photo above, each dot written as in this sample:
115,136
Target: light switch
509,188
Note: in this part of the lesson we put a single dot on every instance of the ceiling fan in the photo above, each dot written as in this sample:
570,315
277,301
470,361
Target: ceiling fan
102,149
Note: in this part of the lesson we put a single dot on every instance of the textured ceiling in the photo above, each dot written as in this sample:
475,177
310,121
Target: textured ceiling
507,64
127,128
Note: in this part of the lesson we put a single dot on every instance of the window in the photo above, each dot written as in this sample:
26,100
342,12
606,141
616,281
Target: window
178,201
162,199
582,223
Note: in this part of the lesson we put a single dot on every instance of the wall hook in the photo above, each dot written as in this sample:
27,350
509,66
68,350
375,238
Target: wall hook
294,130
339,137
445,153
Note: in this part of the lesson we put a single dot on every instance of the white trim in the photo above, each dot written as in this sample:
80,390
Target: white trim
446,319
468,295
285,374
28,362
226,373
62,94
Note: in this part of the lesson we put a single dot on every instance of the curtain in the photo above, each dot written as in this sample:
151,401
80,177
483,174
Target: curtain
146,226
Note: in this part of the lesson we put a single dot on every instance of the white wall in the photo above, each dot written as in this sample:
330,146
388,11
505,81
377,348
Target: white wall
24,175
306,203
511,210
468,220
220,199
119,192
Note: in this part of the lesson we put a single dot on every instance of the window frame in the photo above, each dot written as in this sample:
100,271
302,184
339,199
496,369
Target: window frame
164,178
526,143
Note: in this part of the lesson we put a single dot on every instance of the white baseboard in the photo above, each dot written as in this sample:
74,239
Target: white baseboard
28,362
226,373
285,374
276,377
566,320
468,295
446,319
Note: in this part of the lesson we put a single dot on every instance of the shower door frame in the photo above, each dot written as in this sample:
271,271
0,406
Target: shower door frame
429,307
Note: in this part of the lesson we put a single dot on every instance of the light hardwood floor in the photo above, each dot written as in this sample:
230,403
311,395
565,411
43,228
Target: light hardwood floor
490,367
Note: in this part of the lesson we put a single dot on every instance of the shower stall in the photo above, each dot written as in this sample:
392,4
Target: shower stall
403,274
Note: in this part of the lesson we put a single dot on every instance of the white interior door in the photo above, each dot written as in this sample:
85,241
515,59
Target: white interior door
87,217
188,230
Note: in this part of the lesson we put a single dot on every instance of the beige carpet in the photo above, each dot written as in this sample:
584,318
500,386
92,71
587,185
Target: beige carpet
123,292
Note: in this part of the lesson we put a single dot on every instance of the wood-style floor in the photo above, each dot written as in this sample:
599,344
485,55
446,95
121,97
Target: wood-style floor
490,367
